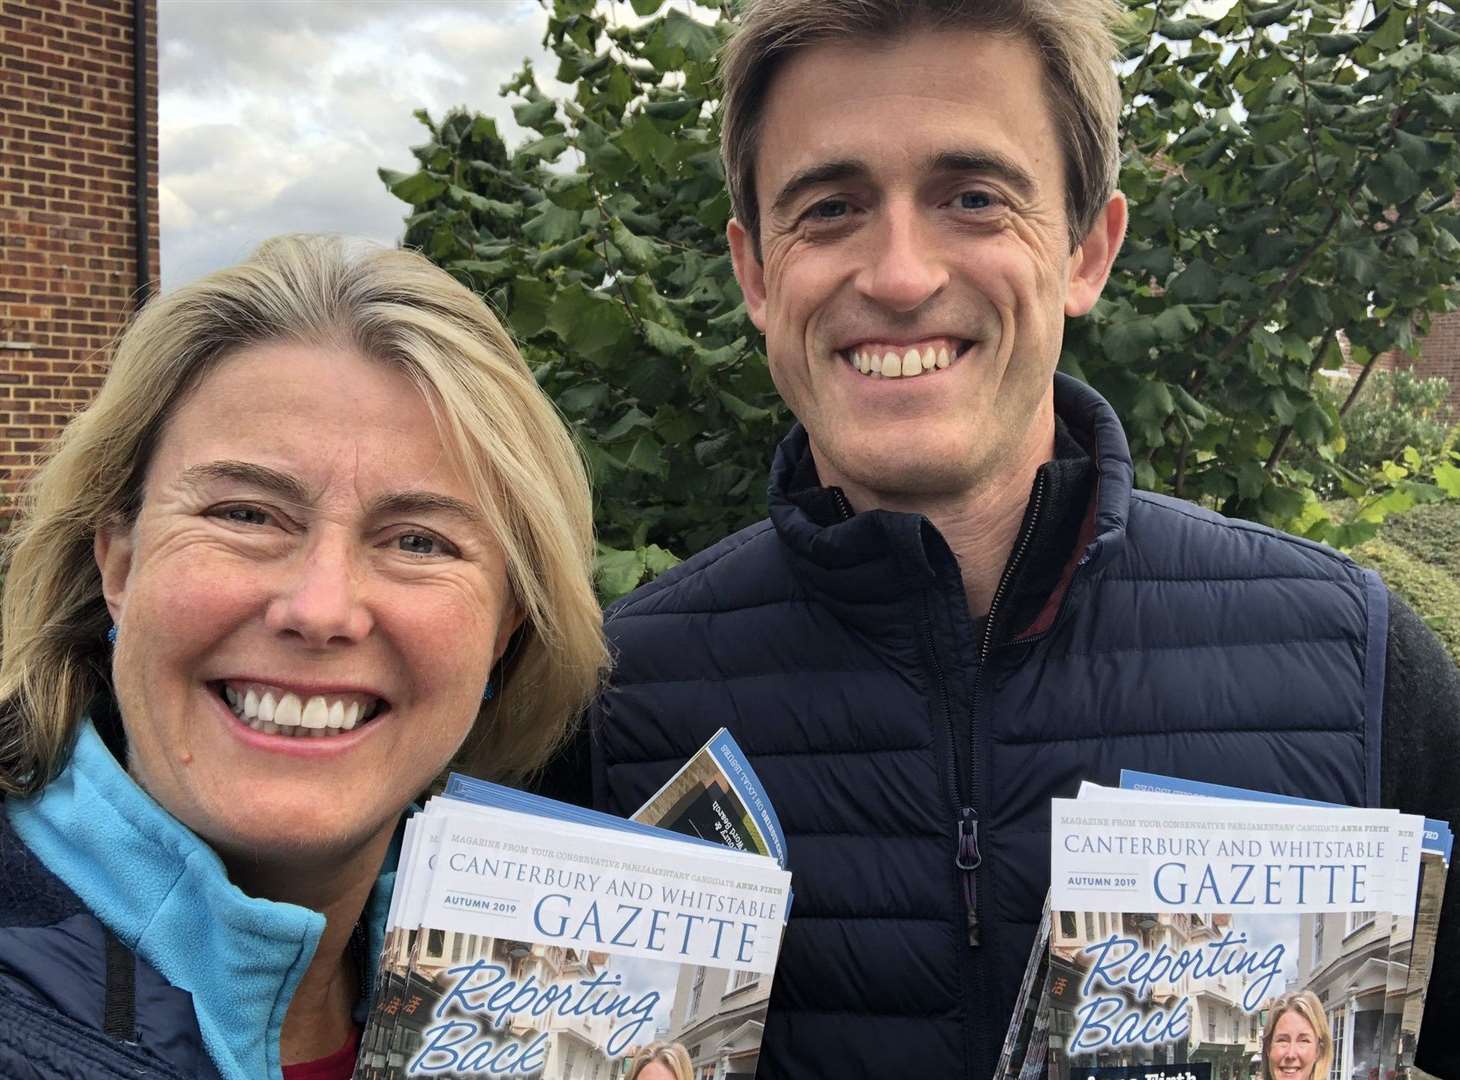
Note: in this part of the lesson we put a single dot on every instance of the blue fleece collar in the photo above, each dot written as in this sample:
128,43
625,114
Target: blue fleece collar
165,893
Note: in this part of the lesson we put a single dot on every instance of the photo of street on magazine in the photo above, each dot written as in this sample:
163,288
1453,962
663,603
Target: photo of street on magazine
1184,917
531,938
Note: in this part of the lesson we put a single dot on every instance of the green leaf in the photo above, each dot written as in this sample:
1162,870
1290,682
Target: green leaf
647,456
638,252
1198,283
529,311
535,114
587,323
414,188
618,572
1336,44
644,8
741,410
1180,29
664,340
633,420
1251,479
1272,13
553,224
547,148
678,37
1447,477
1176,323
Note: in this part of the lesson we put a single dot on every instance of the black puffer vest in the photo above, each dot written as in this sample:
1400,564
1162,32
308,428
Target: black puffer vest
893,738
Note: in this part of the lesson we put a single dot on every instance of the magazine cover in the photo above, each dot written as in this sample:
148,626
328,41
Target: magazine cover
1390,1041
1175,923
531,938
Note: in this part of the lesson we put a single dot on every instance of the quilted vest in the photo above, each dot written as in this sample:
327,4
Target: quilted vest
844,660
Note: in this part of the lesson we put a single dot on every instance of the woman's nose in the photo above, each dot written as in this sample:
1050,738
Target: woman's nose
320,597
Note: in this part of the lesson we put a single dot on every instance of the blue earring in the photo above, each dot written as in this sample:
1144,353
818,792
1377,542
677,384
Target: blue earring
111,634
490,692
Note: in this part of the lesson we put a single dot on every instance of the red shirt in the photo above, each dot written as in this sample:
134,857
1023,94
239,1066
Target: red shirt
338,1066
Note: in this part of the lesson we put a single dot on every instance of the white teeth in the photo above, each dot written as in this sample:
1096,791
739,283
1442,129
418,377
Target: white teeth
930,358
316,713
912,362
891,365
943,358
275,712
286,712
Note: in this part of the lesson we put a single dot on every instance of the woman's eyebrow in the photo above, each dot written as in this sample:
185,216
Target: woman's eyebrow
425,502
277,483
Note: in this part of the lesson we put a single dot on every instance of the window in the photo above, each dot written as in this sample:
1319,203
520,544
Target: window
1069,928
1317,940
1212,1026
436,943
458,943
1357,920
1089,926
743,978
695,991
1336,1021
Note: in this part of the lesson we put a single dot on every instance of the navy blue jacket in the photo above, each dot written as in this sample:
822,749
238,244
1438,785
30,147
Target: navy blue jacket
896,734
75,1003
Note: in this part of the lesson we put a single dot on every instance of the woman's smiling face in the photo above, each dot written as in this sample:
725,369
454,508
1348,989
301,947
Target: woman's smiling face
308,604
1294,1048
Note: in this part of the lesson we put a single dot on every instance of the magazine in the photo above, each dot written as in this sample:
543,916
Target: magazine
1412,949
532,938
1175,920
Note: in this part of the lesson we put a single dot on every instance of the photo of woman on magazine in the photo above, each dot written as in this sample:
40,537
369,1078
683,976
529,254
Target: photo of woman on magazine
1297,1043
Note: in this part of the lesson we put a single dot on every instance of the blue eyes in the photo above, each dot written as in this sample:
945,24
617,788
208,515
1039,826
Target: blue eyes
420,544
832,210
416,543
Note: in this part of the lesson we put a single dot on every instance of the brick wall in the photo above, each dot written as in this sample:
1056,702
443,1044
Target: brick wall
67,210
1440,355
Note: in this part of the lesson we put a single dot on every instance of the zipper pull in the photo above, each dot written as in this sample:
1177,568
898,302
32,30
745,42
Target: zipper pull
968,861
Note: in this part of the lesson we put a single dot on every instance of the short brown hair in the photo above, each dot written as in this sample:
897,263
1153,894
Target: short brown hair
1074,38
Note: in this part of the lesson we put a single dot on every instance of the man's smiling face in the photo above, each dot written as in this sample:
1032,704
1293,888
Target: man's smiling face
915,268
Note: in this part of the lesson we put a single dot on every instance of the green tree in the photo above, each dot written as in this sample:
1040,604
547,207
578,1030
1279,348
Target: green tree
1291,175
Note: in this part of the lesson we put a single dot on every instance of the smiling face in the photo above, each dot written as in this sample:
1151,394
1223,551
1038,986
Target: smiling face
308,605
915,271
1294,1048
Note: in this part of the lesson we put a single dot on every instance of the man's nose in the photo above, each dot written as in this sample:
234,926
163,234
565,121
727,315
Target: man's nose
320,598
904,268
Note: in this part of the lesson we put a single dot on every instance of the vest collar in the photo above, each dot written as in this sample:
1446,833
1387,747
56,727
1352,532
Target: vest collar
882,557
167,896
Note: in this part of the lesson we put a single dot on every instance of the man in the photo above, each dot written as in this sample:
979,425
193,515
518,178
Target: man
959,607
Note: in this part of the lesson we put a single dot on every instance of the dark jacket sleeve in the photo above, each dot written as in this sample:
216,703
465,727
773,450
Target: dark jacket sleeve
1421,775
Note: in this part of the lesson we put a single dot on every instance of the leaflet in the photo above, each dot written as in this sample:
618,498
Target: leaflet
531,938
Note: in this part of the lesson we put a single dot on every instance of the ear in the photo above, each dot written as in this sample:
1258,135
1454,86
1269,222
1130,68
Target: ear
1090,264
511,623
749,271
112,547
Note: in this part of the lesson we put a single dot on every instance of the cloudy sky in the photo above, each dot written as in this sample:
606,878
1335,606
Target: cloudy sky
274,116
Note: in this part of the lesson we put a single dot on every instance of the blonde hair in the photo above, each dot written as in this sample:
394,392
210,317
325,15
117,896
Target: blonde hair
1074,39
1306,1004
672,1056
394,307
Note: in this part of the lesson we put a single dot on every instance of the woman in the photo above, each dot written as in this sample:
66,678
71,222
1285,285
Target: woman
318,536
1297,1043
661,1061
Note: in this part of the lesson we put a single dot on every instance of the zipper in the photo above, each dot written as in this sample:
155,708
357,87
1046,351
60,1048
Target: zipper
843,507
968,857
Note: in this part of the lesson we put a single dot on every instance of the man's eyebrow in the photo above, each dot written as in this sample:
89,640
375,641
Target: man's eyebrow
280,484
988,162
824,173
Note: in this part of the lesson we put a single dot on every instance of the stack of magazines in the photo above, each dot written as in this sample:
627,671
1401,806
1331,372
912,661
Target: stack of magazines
527,937
1185,920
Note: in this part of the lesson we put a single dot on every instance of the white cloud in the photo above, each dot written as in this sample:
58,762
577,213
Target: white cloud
275,116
